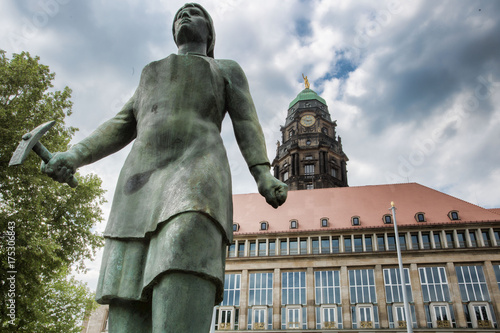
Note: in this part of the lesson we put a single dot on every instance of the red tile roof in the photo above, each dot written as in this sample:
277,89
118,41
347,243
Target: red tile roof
370,203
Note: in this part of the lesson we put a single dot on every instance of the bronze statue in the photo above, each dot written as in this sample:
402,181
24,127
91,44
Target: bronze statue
171,218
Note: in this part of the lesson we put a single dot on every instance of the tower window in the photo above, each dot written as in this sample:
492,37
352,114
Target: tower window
309,157
324,222
309,169
420,217
387,219
324,130
334,172
453,215
294,224
355,220
308,142
236,227
284,176
264,225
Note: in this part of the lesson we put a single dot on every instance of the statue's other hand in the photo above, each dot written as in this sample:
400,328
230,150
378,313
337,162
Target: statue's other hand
61,167
273,190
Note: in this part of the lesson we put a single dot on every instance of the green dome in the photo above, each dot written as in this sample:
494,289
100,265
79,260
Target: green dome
306,95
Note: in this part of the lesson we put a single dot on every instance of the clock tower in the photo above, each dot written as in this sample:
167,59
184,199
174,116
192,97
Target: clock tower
310,153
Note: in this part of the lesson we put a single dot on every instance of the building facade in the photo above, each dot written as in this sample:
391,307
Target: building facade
326,261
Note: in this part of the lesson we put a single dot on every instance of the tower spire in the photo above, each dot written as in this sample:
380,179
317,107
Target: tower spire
310,154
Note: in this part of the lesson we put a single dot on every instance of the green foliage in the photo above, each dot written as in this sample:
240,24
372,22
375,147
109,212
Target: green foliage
52,222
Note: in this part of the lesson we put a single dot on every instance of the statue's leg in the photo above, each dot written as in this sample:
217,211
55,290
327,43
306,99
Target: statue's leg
129,317
183,303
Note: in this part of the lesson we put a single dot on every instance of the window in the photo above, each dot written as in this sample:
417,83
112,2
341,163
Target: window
308,142
368,243
364,316
335,244
232,250
309,169
260,301
472,283
327,299
310,187
391,242
362,286
402,242
449,240
303,246
236,227
252,249
415,244
437,240
496,235
387,219
394,297
309,157
486,237
327,287
472,238
434,284
393,285
347,244
294,224
453,215
358,244
478,315
283,247
426,241
328,318
262,248
334,172
461,238
272,247
241,249
264,225
381,242
293,297
496,268
436,295
226,316
315,245
284,176
325,245
324,222
420,217
294,246
355,220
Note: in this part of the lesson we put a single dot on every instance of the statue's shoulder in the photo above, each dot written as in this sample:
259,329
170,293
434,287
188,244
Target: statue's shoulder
231,69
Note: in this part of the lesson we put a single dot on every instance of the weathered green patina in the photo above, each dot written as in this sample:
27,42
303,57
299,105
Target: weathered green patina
171,216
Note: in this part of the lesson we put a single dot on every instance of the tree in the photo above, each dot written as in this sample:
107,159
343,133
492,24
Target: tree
46,227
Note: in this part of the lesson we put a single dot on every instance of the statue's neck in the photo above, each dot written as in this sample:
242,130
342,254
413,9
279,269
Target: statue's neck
193,48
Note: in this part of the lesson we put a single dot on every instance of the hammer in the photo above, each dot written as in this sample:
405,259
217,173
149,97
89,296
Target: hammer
30,141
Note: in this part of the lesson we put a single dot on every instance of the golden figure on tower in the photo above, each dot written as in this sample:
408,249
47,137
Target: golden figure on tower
306,81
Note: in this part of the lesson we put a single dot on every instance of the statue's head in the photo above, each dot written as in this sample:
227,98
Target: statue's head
208,19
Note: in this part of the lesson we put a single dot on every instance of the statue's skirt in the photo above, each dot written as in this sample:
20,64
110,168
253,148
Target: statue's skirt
189,242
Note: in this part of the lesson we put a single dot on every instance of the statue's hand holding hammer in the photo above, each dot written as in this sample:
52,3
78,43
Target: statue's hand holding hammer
61,167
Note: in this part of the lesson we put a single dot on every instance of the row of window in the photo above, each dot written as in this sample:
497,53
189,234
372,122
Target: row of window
363,306
418,240
355,221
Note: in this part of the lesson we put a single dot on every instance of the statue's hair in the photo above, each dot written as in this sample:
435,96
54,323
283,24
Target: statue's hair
211,37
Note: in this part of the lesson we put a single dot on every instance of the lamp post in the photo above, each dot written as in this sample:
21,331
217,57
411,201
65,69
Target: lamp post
409,326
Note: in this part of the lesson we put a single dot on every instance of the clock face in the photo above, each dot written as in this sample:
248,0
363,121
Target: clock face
307,120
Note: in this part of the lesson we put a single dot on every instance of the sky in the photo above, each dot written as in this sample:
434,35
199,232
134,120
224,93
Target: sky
414,85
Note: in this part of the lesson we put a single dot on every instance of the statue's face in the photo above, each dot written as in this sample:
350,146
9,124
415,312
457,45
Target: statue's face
191,26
